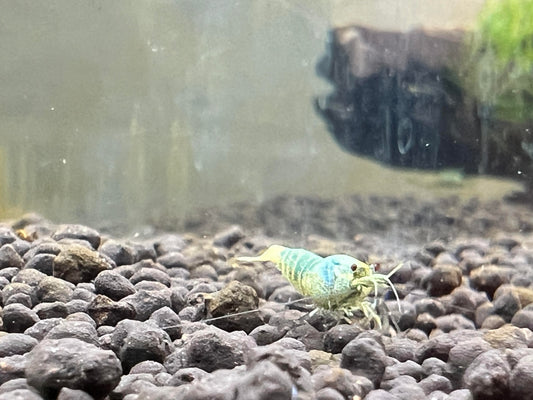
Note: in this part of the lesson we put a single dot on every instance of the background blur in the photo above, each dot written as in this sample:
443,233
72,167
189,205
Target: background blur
133,112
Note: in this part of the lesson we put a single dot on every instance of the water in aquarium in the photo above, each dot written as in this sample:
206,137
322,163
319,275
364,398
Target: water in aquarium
282,195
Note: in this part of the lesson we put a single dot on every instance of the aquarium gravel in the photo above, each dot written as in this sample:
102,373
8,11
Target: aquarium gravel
166,315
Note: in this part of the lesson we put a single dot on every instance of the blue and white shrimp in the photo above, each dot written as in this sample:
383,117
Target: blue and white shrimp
337,282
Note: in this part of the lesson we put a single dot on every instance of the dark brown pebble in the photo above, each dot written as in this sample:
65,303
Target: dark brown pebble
506,306
56,309
16,343
81,232
54,289
105,311
228,237
210,349
54,364
113,285
435,382
10,258
450,322
120,253
443,279
365,357
402,349
488,278
42,262
487,377
76,263
339,336
17,318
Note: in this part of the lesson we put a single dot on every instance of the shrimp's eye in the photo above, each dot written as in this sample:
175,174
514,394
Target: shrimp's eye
377,266
354,267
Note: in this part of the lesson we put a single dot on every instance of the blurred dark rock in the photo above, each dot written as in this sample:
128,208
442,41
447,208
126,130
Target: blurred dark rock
435,382
80,330
228,237
488,278
54,364
365,357
443,279
487,377
73,231
17,318
120,253
339,336
150,274
43,262
56,309
135,341
210,349
16,343
52,289
521,380
9,257
146,302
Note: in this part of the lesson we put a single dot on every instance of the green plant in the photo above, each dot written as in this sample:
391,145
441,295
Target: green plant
499,67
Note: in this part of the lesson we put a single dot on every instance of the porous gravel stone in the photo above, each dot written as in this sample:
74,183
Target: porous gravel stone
135,341
52,289
521,380
10,258
407,368
365,357
443,279
488,278
76,263
72,363
488,375
435,382
73,394
105,311
17,318
16,343
113,285
145,302
43,263
120,253
12,367
234,298
210,349
339,336
74,231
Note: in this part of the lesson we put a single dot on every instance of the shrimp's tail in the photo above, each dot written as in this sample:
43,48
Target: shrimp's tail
272,254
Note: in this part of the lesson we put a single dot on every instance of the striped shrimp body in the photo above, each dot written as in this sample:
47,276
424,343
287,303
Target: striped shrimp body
337,282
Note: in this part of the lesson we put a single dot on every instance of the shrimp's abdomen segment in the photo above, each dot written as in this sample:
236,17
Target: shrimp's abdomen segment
300,267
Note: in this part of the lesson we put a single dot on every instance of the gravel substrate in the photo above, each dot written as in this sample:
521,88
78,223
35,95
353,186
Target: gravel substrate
89,316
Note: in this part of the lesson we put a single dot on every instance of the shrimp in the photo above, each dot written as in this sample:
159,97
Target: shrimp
337,282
